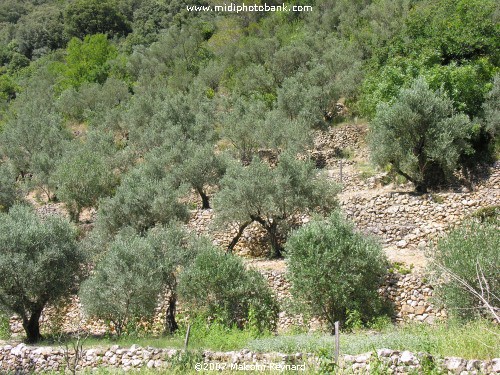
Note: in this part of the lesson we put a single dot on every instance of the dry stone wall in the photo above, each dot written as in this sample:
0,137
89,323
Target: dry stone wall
409,295
339,141
22,359
252,243
411,298
404,219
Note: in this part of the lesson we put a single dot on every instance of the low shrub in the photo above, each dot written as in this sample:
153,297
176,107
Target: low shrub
218,286
336,271
467,260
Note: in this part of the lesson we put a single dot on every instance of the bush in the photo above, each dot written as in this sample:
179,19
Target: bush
4,326
39,262
420,136
9,193
491,115
488,213
334,270
134,273
470,252
85,174
491,109
218,286
126,283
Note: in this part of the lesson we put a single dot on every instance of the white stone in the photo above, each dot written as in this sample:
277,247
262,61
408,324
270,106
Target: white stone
495,364
473,364
136,362
18,350
363,358
401,244
455,364
407,358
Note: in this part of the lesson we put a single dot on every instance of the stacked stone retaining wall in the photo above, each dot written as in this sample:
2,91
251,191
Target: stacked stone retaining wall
22,359
409,294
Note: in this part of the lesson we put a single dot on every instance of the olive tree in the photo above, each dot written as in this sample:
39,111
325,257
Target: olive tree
200,167
218,286
85,173
271,195
134,274
146,197
9,192
243,124
334,269
33,138
40,262
92,101
420,136
125,284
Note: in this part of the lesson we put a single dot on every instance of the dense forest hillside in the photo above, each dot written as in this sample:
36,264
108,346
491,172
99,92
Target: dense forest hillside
118,71
141,119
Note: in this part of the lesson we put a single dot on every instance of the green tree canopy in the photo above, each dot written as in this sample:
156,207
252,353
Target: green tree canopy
39,261
271,195
335,270
146,197
41,31
87,60
218,286
88,17
420,136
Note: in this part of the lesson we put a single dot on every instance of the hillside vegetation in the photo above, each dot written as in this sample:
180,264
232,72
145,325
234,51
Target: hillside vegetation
130,114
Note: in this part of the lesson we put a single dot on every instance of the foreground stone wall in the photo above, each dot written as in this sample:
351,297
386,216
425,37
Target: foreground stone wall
23,359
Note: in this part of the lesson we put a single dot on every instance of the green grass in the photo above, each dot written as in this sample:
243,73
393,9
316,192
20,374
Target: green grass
4,327
366,170
475,340
214,337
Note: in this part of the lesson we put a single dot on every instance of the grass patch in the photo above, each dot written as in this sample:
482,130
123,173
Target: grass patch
487,213
401,268
474,340
202,336
4,327
366,170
